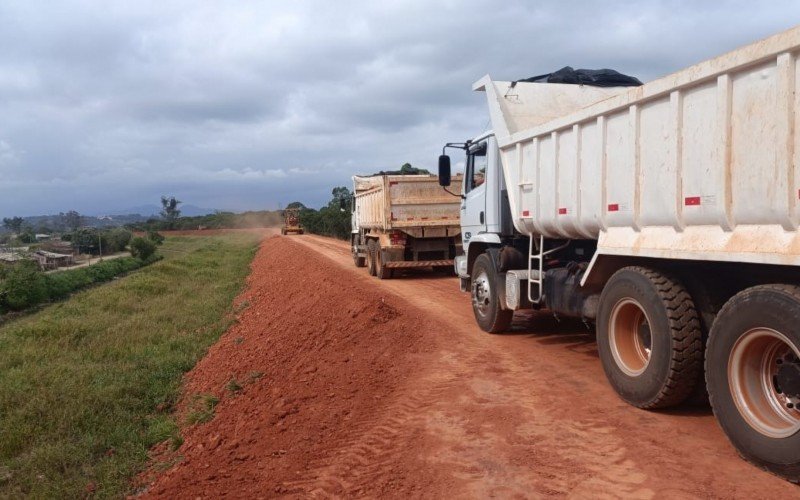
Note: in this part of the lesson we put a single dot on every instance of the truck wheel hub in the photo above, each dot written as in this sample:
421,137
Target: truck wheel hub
788,379
764,378
630,337
481,294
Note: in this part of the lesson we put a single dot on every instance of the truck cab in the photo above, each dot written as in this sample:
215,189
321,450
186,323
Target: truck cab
485,213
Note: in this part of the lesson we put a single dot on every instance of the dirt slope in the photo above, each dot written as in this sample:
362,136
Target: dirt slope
387,388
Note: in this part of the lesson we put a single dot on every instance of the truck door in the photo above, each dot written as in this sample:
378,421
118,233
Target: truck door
473,206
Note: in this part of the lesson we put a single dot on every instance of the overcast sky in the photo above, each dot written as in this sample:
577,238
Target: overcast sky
247,105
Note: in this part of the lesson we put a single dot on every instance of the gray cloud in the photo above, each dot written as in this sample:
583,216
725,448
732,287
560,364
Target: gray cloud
250,104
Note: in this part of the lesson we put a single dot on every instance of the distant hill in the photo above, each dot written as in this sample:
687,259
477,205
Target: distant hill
191,217
154,210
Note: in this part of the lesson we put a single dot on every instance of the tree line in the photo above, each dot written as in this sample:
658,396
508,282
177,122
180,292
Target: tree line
332,219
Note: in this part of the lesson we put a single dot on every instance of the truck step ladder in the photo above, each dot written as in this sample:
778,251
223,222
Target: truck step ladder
536,252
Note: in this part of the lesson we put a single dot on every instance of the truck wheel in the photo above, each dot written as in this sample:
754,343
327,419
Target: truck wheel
358,260
485,299
753,376
649,338
371,257
381,271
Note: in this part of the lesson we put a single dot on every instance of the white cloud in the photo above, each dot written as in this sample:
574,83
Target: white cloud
250,174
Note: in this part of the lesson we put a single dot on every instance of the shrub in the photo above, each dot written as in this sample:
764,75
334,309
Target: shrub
24,286
115,240
142,248
27,236
86,240
155,237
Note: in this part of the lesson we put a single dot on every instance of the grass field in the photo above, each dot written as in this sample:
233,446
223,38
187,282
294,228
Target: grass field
87,385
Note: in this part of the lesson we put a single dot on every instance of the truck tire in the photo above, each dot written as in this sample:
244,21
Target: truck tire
358,260
753,376
649,338
381,271
371,257
485,298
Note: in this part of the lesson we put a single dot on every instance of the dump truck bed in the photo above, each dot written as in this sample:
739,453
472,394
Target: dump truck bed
388,202
702,164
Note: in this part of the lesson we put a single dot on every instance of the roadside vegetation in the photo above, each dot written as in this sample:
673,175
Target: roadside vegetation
87,385
24,285
331,220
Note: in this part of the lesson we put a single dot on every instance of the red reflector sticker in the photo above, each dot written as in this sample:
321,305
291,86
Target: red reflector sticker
526,213
613,207
392,183
691,201
562,211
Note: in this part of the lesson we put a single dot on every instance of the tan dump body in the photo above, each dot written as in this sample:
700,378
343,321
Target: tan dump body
415,204
405,221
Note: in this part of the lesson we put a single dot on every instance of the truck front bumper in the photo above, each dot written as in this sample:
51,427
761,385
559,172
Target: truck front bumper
460,265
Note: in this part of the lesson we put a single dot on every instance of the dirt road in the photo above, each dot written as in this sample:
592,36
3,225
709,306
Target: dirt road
387,388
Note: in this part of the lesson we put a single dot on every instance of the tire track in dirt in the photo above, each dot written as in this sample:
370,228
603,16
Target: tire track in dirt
549,422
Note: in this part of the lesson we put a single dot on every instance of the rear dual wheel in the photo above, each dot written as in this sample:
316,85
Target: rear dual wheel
371,251
358,260
753,376
381,271
649,338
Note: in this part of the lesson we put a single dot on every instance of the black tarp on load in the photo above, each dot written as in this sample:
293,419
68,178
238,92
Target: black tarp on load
593,77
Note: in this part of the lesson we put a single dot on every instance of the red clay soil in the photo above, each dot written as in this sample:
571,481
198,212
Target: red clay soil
318,356
386,388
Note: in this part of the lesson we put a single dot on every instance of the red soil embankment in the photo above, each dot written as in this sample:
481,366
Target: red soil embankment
315,353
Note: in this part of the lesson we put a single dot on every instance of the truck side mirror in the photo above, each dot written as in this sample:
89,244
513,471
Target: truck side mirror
444,170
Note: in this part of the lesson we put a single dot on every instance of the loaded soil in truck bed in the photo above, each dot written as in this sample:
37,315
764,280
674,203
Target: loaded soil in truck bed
349,386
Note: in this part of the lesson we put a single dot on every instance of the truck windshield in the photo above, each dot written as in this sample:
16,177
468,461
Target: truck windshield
476,166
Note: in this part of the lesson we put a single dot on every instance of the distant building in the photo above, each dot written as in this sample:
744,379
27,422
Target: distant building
52,260
42,237
57,245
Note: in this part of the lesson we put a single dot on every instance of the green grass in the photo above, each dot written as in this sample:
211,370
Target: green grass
87,385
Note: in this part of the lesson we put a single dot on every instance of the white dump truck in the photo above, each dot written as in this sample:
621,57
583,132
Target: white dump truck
402,222
666,215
